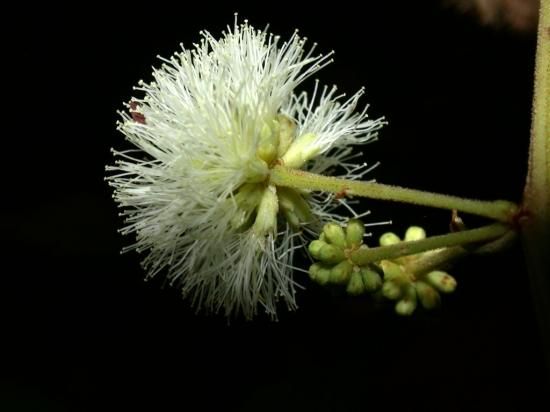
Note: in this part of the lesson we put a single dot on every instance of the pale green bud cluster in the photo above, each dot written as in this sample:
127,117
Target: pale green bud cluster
391,278
406,287
333,250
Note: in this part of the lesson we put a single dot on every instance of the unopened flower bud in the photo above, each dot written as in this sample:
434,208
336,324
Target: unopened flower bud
429,297
371,280
335,234
392,271
407,304
315,248
331,254
340,273
319,273
391,290
314,270
442,281
388,239
355,286
415,233
354,233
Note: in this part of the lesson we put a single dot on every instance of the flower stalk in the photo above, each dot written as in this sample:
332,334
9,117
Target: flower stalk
487,233
499,210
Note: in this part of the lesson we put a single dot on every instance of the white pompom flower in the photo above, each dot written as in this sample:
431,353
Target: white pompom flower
196,190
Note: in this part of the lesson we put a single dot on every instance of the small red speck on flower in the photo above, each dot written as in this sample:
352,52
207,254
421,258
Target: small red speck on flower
137,116
341,194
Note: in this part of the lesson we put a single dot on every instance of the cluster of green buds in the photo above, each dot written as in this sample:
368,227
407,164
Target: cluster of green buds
334,251
400,279
407,286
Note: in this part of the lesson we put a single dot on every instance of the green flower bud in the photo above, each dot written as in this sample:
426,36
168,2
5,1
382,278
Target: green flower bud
415,233
442,281
393,271
371,280
355,286
407,304
323,276
314,270
388,239
354,233
429,297
319,273
341,273
391,290
335,234
331,254
315,248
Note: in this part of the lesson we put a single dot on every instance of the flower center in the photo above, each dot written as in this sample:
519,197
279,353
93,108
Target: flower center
261,203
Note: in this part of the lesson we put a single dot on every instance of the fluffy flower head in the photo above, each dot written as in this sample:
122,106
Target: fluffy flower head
208,129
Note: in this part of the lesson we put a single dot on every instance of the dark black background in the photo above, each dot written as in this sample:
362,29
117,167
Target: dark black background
81,330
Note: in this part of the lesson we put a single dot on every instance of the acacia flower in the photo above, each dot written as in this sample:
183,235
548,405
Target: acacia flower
207,130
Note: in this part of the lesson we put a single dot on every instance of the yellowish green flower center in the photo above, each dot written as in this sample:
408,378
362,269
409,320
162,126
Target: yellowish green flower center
260,202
